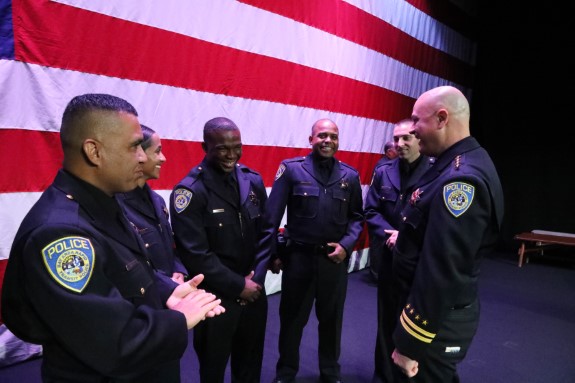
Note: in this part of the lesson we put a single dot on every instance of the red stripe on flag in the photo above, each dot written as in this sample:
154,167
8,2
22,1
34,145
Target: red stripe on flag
47,35
449,14
351,23
33,158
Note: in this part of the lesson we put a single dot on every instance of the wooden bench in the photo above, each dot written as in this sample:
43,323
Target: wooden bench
540,239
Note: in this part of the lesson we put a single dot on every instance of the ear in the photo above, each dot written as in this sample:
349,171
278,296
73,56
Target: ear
310,139
91,149
442,115
205,147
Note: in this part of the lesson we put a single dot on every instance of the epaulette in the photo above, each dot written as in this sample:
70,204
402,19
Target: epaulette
295,159
387,163
246,169
194,175
349,166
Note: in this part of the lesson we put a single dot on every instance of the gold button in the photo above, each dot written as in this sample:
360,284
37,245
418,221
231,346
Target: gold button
142,290
147,245
220,224
404,218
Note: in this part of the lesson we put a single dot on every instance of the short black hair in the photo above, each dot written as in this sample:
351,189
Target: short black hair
218,123
81,105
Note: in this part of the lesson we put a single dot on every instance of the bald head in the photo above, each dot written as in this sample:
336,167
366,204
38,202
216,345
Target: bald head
440,119
324,138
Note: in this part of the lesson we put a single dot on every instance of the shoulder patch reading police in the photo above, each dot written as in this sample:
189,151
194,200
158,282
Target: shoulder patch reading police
458,196
182,198
70,261
280,171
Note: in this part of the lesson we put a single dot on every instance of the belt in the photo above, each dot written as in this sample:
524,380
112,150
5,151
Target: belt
322,249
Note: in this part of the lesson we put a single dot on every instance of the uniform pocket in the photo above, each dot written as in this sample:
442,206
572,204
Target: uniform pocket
220,227
305,201
455,336
133,281
341,205
387,194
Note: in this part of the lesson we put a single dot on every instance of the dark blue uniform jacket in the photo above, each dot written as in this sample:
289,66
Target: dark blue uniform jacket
147,212
451,221
384,201
317,213
214,235
77,282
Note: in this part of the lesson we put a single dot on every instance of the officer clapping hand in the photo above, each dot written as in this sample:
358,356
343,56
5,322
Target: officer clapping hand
194,303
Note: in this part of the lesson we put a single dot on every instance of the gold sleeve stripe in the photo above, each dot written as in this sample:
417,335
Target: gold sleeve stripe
413,333
415,330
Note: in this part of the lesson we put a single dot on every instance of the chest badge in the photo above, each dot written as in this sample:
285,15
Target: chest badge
253,198
415,196
70,261
458,196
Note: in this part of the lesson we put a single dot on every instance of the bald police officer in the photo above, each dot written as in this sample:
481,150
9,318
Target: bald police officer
324,220
452,220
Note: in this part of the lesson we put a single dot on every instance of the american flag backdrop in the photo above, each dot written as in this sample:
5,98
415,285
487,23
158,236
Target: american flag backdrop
272,66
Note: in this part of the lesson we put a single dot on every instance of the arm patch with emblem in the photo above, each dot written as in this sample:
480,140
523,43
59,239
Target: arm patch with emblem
458,196
70,261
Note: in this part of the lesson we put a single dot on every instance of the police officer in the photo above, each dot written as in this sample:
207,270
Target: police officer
386,194
452,220
147,212
216,215
324,220
383,205
78,280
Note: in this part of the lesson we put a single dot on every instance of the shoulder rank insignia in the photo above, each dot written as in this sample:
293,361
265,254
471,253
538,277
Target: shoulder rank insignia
70,261
182,198
280,171
458,196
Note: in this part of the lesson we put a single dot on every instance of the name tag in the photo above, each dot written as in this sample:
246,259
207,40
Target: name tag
215,211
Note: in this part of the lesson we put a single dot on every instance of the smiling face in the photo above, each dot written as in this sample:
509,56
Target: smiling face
324,138
155,160
406,144
120,154
223,149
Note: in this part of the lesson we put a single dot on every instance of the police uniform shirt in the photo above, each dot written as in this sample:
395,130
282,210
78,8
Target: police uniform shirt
74,268
452,219
215,229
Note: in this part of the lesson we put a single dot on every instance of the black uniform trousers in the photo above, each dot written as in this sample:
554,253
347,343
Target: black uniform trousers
239,332
387,316
308,276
